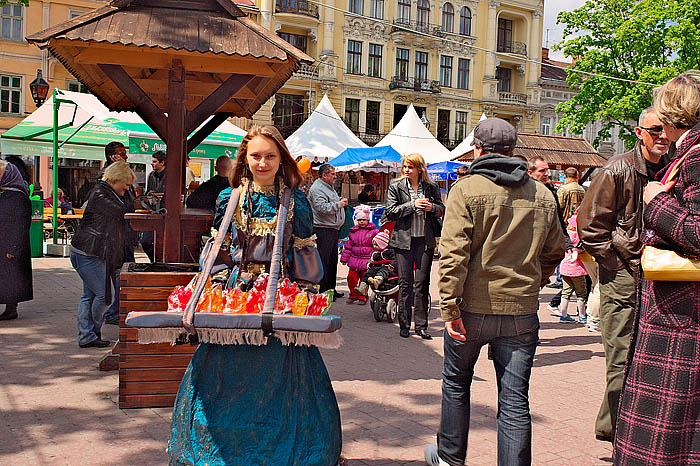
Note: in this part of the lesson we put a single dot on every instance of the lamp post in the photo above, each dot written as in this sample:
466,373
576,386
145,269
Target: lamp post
39,89
425,121
311,79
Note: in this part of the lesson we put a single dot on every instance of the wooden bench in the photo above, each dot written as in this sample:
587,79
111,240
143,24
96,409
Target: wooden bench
149,375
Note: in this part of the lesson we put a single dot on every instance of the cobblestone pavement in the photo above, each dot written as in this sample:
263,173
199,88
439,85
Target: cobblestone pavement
57,409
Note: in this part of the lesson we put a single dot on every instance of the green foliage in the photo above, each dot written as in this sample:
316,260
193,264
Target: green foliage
21,2
640,40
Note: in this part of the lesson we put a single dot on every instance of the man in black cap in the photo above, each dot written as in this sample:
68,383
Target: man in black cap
501,240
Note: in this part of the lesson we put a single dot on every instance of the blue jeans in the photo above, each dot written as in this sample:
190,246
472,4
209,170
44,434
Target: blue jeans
92,271
513,340
112,311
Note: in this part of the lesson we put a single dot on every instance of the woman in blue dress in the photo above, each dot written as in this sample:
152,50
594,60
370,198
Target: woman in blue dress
270,405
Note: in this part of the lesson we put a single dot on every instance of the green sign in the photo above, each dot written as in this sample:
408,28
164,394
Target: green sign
147,146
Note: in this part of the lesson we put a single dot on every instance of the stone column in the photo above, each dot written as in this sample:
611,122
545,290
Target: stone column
535,46
489,79
267,8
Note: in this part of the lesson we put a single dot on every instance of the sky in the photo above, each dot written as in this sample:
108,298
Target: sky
552,32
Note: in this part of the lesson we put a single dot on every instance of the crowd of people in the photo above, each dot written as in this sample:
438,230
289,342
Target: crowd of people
502,233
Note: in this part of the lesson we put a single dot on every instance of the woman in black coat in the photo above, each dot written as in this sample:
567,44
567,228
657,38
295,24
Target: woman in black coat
99,248
15,254
415,204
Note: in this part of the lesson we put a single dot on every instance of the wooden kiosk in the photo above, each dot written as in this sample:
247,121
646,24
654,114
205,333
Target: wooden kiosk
175,63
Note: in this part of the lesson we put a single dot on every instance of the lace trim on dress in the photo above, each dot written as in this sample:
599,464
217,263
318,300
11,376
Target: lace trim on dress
259,226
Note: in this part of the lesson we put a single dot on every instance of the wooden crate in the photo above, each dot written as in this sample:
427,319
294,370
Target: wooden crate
149,375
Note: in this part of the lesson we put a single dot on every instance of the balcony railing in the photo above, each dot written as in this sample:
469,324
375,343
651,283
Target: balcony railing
301,7
307,72
518,48
421,85
449,143
401,24
512,98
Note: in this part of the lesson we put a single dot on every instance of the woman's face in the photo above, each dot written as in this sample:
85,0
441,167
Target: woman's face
263,159
409,171
120,187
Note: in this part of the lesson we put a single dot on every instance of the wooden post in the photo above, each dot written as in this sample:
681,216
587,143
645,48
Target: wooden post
174,161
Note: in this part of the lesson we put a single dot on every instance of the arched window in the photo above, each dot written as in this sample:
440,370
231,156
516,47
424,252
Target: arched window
465,21
448,17
423,14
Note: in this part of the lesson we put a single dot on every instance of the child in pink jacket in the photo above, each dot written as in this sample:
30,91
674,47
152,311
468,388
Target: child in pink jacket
358,250
573,273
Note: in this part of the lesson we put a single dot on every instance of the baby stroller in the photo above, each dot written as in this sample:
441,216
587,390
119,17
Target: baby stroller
384,301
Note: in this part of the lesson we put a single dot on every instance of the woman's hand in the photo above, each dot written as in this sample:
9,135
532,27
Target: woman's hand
654,188
424,204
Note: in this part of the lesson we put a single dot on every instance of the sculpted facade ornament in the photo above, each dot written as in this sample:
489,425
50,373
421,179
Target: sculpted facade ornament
494,4
518,122
365,29
530,114
488,109
521,69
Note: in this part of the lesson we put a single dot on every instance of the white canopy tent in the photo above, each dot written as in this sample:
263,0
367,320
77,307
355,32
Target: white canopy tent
322,135
466,145
410,135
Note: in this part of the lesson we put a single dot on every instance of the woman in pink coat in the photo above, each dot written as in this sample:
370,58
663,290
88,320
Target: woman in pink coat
358,250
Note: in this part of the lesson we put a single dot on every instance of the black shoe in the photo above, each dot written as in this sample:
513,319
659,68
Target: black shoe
424,335
10,312
404,333
114,321
604,438
99,343
338,294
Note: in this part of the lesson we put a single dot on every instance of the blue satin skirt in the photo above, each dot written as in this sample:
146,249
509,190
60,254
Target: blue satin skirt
244,405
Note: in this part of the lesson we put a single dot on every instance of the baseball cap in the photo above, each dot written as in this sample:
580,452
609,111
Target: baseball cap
495,134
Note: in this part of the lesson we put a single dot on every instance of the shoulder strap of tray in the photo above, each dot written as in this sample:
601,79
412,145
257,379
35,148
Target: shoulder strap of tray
188,316
275,263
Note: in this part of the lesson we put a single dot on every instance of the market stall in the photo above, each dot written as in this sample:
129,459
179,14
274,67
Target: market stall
378,161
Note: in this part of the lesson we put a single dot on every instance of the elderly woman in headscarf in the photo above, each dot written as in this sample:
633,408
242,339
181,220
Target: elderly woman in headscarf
15,255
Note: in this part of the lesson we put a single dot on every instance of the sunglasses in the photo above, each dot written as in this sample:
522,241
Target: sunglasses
654,130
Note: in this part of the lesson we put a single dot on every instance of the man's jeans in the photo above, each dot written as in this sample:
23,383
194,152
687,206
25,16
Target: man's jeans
92,304
513,340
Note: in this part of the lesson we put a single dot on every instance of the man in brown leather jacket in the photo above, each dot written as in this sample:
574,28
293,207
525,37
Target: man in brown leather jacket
610,227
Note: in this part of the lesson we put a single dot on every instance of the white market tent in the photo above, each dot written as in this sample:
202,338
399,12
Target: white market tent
410,136
323,134
466,145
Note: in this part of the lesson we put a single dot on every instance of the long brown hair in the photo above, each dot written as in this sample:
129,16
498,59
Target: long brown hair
288,169
418,163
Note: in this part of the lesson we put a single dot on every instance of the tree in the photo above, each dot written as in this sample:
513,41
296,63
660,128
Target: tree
20,2
646,41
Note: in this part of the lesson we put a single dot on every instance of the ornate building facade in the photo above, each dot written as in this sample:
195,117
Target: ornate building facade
452,59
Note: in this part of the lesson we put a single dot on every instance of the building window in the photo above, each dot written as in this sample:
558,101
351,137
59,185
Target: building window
376,9
354,57
11,24
10,93
503,75
463,73
372,115
421,66
352,114
289,110
356,6
402,64
465,21
461,126
403,13
448,17
75,13
423,15
375,61
443,125
297,40
505,36
76,86
445,71
546,126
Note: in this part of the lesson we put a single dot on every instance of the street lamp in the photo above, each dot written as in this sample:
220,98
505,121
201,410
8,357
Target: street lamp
39,89
311,78
425,121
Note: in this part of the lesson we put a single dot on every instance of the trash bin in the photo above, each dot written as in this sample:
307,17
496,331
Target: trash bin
36,229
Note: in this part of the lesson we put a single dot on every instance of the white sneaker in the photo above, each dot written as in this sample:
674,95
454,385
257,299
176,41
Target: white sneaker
432,458
554,310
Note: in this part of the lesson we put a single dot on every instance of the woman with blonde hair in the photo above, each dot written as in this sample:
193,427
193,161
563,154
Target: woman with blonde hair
659,419
415,204
100,247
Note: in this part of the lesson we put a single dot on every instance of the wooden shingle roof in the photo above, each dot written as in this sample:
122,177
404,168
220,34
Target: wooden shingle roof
556,150
213,39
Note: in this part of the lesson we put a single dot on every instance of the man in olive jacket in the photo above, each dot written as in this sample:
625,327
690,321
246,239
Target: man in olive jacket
501,240
610,228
